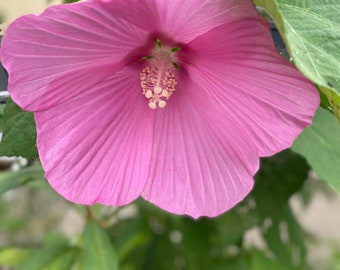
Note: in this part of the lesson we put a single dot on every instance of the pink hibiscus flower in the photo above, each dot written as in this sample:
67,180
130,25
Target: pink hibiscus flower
168,99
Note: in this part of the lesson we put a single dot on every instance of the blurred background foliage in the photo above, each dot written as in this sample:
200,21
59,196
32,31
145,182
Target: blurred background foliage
40,230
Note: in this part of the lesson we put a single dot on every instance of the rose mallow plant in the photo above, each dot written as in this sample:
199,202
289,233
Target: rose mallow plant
174,101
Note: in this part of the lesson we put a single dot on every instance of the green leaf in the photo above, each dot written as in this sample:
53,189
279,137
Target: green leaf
284,237
98,252
2,109
311,31
334,102
57,254
320,145
279,178
131,243
53,258
262,262
14,256
233,224
240,262
10,180
19,134
64,260
334,261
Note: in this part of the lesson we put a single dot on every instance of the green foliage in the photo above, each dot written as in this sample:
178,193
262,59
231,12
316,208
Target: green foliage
10,179
57,254
97,250
334,262
311,30
19,134
94,251
320,144
2,109
278,179
262,262
13,257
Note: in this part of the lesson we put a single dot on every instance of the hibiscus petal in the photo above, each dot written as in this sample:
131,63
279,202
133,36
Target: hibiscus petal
182,20
244,74
96,147
202,164
48,56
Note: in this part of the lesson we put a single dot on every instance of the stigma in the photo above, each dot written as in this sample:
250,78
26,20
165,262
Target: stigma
158,77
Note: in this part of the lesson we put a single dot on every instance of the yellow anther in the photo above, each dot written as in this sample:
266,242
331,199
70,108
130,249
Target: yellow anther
157,89
152,105
148,94
161,104
165,93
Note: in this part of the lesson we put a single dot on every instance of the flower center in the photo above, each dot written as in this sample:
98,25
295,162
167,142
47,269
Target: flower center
158,79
